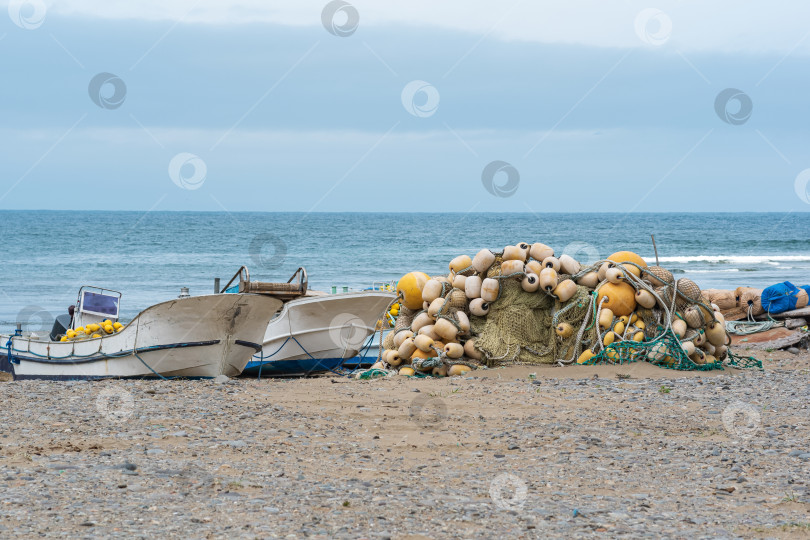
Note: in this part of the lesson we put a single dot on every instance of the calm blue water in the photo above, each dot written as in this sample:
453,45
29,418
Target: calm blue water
48,255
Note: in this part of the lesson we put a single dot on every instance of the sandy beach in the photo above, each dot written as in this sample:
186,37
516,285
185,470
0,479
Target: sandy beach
527,452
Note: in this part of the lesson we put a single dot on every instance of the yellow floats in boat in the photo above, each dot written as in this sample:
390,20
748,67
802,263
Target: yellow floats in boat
118,326
410,286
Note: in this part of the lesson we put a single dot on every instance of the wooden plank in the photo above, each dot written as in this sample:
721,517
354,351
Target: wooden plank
795,323
803,312
777,338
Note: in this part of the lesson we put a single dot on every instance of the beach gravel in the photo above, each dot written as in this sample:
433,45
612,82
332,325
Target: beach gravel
622,451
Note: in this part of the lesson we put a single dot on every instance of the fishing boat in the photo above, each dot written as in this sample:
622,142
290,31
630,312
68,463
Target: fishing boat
200,336
314,332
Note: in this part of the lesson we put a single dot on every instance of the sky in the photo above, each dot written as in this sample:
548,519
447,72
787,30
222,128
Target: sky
519,106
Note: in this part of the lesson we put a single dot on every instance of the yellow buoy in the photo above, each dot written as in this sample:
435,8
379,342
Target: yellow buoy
619,328
478,307
638,336
63,338
564,330
585,356
70,334
609,338
407,371
621,298
80,330
716,333
483,260
410,286
540,252
95,336
629,257
460,264
472,287
565,290
458,369
92,327
109,329
454,350
118,326
640,325
548,279
530,283
489,290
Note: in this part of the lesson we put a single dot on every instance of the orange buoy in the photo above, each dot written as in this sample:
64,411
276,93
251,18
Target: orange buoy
629,257
621,298
410,286
564,330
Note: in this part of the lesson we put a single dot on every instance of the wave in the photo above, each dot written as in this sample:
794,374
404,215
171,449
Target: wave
772,260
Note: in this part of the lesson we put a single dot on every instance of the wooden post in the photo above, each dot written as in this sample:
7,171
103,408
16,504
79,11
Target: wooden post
656,250
216,285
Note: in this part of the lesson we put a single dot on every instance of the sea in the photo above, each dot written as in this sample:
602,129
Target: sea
149,256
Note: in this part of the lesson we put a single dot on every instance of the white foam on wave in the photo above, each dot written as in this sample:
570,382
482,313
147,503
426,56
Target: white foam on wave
772,260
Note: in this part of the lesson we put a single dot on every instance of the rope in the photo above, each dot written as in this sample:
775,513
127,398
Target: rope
745,328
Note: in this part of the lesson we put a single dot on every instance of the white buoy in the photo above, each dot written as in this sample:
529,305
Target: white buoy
513,266
454,350
463,322
530,283
423,319
432,290
514,253
471,351
429,331
548,279
435,306
540,252
478,307
645,299
565,290
401,336
614,275
472,287
446,329
407,349
590,280
458,281
483,260
552,262
535,267
569,265
489,290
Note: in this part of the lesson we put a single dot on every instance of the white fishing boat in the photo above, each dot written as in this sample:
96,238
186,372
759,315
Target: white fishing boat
315,332
200,336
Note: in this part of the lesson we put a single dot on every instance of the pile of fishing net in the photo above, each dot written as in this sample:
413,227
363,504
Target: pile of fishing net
525,305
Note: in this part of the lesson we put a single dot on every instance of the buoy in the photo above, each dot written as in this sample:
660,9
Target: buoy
425,306
63,338
569,265
619,328
716,333
552,262
118,326
93,327
445,329
407,371
679,327
489,290
458,281
622,257
444,279
564,330
377,365
435,306
638,337
565,290
96,336
407,348
645,299
657,276
483,260
454,350
471,351
708,348
540,252
394,359
585,356
720,318
721,352
401,336
693,317
423,343
621,298
530,283
602,273
458,369
609,338
423,319
640,325
605,318
410,286
472,287
70,334
514,253
534,267
478,307
460,264
432,290
417,354
700,338
590,280
548,279
440,371
463,322
660,353
698,357
80,330
429,331
711,359
614,275
512,267
688,347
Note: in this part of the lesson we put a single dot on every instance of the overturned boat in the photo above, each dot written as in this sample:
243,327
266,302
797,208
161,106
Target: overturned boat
314,332
200,336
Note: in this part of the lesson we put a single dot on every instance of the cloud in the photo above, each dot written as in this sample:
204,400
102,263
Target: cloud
723,25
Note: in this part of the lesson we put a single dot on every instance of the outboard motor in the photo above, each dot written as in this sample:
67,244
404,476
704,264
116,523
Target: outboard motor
60,326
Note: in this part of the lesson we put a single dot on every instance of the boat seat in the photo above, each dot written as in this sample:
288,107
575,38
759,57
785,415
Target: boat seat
283,291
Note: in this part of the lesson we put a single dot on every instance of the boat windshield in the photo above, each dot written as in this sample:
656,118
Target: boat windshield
100,304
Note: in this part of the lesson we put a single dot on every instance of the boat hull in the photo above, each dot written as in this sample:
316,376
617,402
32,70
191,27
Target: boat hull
200,336
316,334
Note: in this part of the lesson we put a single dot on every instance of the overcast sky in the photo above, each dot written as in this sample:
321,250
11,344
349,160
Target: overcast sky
404,106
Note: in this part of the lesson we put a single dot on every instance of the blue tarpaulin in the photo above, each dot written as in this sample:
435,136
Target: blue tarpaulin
781,297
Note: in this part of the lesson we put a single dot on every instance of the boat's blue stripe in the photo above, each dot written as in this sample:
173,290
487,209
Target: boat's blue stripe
122,354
